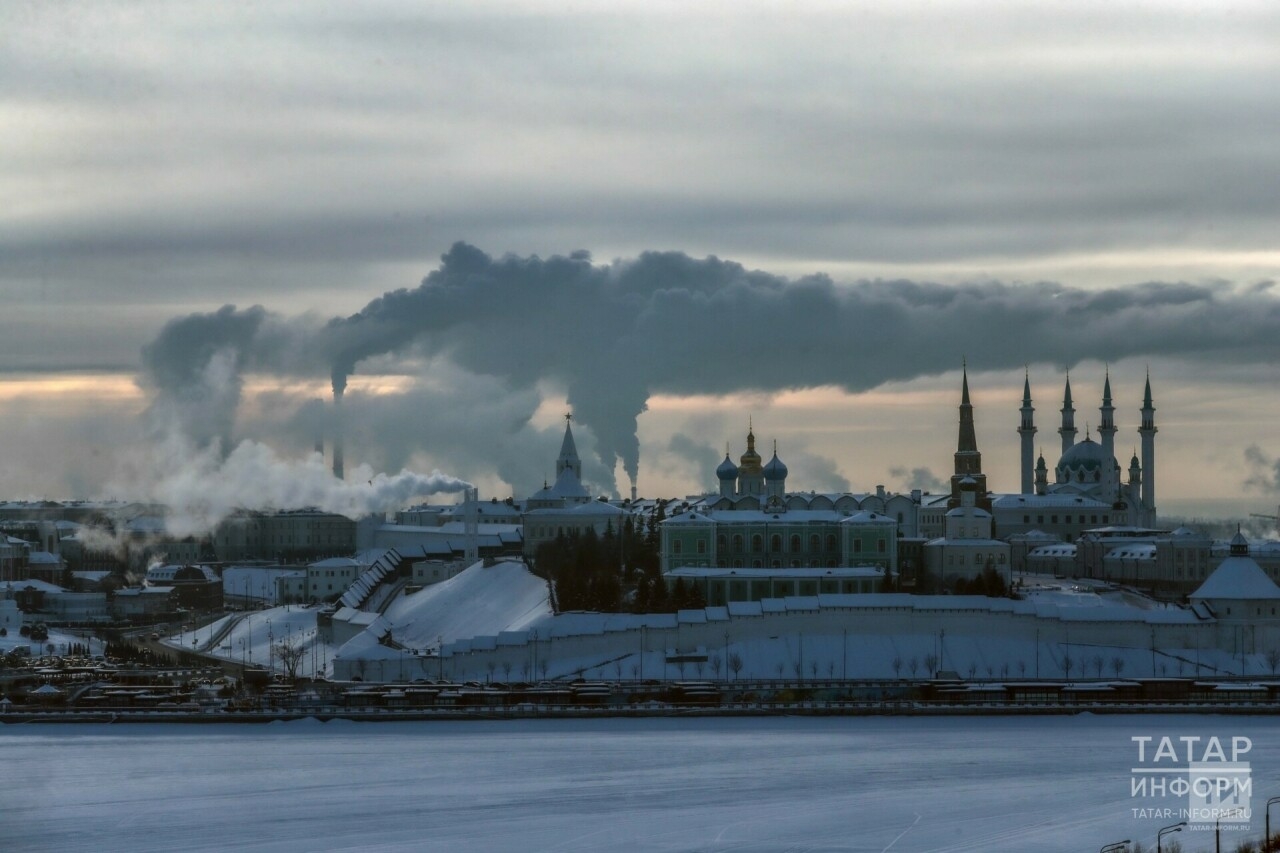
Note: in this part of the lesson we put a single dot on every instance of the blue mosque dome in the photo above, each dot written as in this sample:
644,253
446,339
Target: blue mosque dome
727,470
775,470
1083,463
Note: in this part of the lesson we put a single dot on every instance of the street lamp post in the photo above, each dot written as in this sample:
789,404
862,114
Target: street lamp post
1168,830
1267,839
1115,847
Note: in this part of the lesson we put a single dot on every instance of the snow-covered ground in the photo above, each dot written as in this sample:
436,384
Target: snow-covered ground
497,622
773,784
61,640
249,637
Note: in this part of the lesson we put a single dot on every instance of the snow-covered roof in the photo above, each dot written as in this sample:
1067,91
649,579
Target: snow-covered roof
868,517
752,516
1136,551
1238,578
336,563
567,485
1061,549
1050,501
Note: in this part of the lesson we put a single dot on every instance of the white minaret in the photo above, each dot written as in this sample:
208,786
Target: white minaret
1148,433
1068,428
1107,435
1027,432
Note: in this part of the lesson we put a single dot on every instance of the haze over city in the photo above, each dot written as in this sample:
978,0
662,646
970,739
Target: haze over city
669,220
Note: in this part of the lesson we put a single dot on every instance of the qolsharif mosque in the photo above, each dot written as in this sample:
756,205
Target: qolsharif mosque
755,523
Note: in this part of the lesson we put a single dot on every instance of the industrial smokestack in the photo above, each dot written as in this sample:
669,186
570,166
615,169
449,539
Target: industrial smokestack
633,492
320,429
337,433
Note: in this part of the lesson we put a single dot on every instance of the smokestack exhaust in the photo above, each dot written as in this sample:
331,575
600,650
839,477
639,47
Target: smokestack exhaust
337,433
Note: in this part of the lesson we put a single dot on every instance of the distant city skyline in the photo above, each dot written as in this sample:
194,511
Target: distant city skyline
891,190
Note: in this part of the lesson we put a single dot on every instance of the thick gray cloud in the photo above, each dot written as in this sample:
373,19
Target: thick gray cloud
614,334
166,161
255,140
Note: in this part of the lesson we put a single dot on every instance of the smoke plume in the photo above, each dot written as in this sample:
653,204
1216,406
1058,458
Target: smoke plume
614,334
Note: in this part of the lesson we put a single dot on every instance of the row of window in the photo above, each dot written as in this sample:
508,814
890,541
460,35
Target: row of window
775,544
979,559
1067,519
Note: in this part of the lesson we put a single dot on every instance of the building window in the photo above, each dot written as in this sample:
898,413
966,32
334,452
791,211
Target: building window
775,543
757,545
737,541
675,546
720,541
702,546
857,546
814,542
882,546
795,542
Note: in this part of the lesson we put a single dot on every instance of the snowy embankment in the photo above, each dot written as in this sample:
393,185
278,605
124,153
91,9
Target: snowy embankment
497,622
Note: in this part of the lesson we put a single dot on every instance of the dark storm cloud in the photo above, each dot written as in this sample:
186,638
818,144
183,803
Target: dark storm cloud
614,334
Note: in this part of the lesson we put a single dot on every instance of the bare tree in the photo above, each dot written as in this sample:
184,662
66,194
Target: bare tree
735,663
1022,668
1004,670
913,665
931,664
716,663
290,655
506,670
1096,662
973,668
897,667
813,669
1117,665
798,668
1273,660
1067,663
491,666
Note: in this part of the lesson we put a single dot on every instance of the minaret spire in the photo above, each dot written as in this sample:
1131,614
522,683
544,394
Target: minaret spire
1068,428
1148,434
1027,432
1107,437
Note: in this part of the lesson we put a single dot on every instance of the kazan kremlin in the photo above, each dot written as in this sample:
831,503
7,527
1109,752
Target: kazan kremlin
861,585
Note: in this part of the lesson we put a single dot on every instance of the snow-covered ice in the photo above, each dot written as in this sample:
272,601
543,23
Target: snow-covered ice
663,784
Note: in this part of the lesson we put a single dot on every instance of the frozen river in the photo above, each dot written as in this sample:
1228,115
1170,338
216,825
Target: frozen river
765,784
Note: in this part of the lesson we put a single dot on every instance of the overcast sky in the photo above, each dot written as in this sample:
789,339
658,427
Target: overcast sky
669,218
